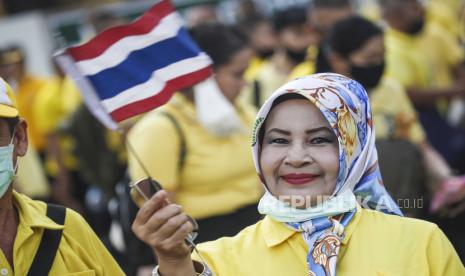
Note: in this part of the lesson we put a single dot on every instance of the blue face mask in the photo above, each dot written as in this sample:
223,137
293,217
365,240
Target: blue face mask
7,171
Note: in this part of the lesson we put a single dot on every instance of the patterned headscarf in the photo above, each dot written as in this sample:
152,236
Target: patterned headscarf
344,104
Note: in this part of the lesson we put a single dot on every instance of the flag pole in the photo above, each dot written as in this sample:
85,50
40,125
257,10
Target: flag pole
133,151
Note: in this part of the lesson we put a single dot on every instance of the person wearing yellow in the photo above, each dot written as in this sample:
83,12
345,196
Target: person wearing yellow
321,16
262,39
430,65
314,150
27,86
294,38
209,173
40,239
425,59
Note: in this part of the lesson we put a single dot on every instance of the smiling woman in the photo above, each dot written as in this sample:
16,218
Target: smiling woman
313,138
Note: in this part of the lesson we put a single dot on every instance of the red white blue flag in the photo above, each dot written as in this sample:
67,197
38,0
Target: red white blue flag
128,70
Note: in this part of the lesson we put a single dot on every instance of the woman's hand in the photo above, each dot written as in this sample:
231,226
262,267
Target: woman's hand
164,227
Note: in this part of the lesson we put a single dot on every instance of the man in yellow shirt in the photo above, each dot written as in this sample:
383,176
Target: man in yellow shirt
420,56
40,239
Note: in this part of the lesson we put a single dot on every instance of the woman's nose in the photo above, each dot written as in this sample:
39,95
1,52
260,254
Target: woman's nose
298,156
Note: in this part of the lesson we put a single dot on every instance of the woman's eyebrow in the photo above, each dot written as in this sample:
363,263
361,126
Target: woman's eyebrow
310,131
280,131
318,129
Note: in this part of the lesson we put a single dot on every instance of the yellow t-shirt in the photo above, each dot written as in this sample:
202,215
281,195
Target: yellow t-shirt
218,175
375,244
393,113
422,61
80,250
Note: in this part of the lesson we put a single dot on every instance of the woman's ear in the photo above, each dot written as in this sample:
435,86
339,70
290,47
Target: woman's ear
339,64
20,139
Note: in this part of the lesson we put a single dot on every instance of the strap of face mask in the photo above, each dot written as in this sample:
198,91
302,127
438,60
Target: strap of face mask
12,135
15,166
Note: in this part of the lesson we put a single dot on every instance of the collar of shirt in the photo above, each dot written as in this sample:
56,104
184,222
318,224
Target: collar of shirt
31,217
275,232
32,220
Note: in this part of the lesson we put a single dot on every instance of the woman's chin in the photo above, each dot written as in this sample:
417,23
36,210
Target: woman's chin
303,201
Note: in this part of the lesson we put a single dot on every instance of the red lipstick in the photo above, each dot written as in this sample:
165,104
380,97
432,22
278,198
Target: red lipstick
299,178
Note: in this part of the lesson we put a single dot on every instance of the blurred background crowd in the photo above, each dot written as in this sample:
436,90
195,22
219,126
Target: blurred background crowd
408,54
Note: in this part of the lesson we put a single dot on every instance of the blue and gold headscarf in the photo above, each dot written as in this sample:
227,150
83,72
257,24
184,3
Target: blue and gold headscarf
344,103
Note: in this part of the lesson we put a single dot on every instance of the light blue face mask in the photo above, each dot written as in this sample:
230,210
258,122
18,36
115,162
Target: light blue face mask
7,170
283,212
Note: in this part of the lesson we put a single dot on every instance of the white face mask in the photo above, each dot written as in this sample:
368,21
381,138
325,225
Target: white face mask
214,111
283,212
7,170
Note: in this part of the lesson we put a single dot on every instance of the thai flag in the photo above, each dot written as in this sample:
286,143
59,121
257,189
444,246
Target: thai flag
131,69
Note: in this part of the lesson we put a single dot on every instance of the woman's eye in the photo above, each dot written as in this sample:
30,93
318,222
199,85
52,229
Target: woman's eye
278,141
320,140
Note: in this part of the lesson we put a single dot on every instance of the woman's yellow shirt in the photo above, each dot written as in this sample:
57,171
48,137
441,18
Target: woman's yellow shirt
375,244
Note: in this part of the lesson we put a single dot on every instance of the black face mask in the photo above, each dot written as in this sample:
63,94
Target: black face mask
265,53
296,56
416,26
367,76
